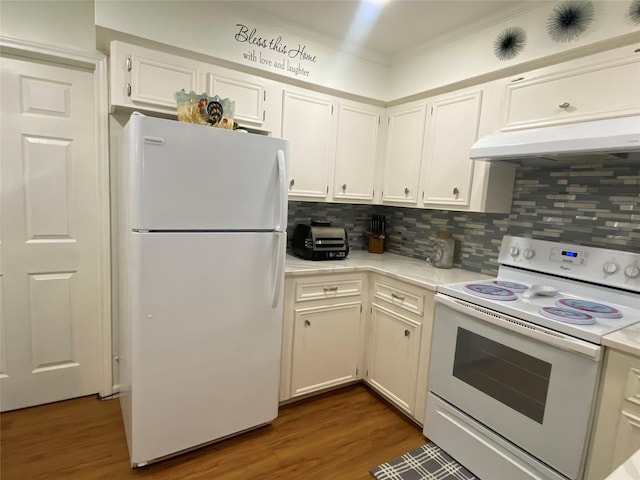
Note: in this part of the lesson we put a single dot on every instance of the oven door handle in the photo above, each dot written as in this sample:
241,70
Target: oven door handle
545,335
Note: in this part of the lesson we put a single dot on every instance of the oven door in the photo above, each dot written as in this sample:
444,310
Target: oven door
530,385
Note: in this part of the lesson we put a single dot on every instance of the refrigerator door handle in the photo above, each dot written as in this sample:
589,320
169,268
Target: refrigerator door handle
278,271
281,226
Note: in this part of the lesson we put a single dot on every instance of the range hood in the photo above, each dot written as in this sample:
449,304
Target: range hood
611,140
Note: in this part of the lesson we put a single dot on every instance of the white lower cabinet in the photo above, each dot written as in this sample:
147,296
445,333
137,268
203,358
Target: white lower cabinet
322,334
392,360
329,340
325,347
399,342
617,426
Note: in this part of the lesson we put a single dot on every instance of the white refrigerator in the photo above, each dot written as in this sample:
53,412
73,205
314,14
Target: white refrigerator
202,240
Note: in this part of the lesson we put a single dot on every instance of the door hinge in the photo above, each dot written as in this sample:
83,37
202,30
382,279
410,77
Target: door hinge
378,119
128,64
327,189
264,96
331,109
360,308
432,111
264,115
356,371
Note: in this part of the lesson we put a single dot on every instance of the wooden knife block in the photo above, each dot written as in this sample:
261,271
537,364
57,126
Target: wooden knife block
376,244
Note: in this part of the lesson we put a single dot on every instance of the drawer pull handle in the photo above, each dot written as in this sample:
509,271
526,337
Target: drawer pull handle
330,289
407,333
397,297
564,105
307,323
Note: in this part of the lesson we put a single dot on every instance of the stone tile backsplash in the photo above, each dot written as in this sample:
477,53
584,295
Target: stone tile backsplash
596,205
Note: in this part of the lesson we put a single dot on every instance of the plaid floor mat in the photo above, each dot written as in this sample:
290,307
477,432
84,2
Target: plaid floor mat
427,462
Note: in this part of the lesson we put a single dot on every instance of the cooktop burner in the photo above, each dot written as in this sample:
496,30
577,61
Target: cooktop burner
513,286
490,291
567,315
587,306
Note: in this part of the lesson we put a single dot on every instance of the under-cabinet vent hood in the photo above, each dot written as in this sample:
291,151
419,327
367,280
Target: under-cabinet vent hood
610,140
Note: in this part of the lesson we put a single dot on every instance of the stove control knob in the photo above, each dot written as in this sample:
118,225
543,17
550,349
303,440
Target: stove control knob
610,267
514,251
529,253
632,271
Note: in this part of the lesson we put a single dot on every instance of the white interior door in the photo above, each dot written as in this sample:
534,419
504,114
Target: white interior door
49,233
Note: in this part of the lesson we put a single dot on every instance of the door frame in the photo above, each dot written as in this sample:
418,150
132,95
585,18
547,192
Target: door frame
96,61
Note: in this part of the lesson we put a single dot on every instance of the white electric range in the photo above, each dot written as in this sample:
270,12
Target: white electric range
516,360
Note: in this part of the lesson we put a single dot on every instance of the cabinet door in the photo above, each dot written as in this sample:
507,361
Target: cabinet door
403,155
617,427
452,130
307,124
248,97
325,347
598,91
394,351
357,138
156,79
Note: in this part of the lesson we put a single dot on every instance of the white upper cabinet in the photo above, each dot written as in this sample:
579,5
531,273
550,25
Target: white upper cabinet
257,100
307,124
452,129
404,154
249,97
595,87
356,150
148,79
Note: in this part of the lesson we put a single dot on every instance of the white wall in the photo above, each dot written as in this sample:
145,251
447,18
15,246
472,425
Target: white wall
210,28
444,63
59,22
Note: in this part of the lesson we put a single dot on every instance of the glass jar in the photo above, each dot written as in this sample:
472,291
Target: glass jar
443,250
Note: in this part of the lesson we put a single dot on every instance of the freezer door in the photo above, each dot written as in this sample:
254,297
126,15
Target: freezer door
192,177
206,338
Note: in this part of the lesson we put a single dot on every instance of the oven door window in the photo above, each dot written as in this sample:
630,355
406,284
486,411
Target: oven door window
513,378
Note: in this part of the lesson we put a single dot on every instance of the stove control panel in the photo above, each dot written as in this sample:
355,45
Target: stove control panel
597,265
571,256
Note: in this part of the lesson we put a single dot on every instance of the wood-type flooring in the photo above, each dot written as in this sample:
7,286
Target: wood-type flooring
337,435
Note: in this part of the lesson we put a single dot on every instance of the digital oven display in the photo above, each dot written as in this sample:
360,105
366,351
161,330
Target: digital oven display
573,257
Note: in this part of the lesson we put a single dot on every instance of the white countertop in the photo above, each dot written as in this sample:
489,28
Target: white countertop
626,340
407,269
629,470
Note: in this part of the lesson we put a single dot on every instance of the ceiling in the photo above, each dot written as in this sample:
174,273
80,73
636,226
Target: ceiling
384,28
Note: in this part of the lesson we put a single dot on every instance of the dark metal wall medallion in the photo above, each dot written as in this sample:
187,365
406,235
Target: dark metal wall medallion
569,20
634,12
509,43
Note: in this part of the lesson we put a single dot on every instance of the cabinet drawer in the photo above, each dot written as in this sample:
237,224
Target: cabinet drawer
402,296
341,288
569,96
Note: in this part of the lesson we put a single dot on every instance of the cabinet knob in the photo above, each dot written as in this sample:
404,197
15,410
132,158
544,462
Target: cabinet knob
564,105
344,187
407,333
456,191
406,191
292,182
307,323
